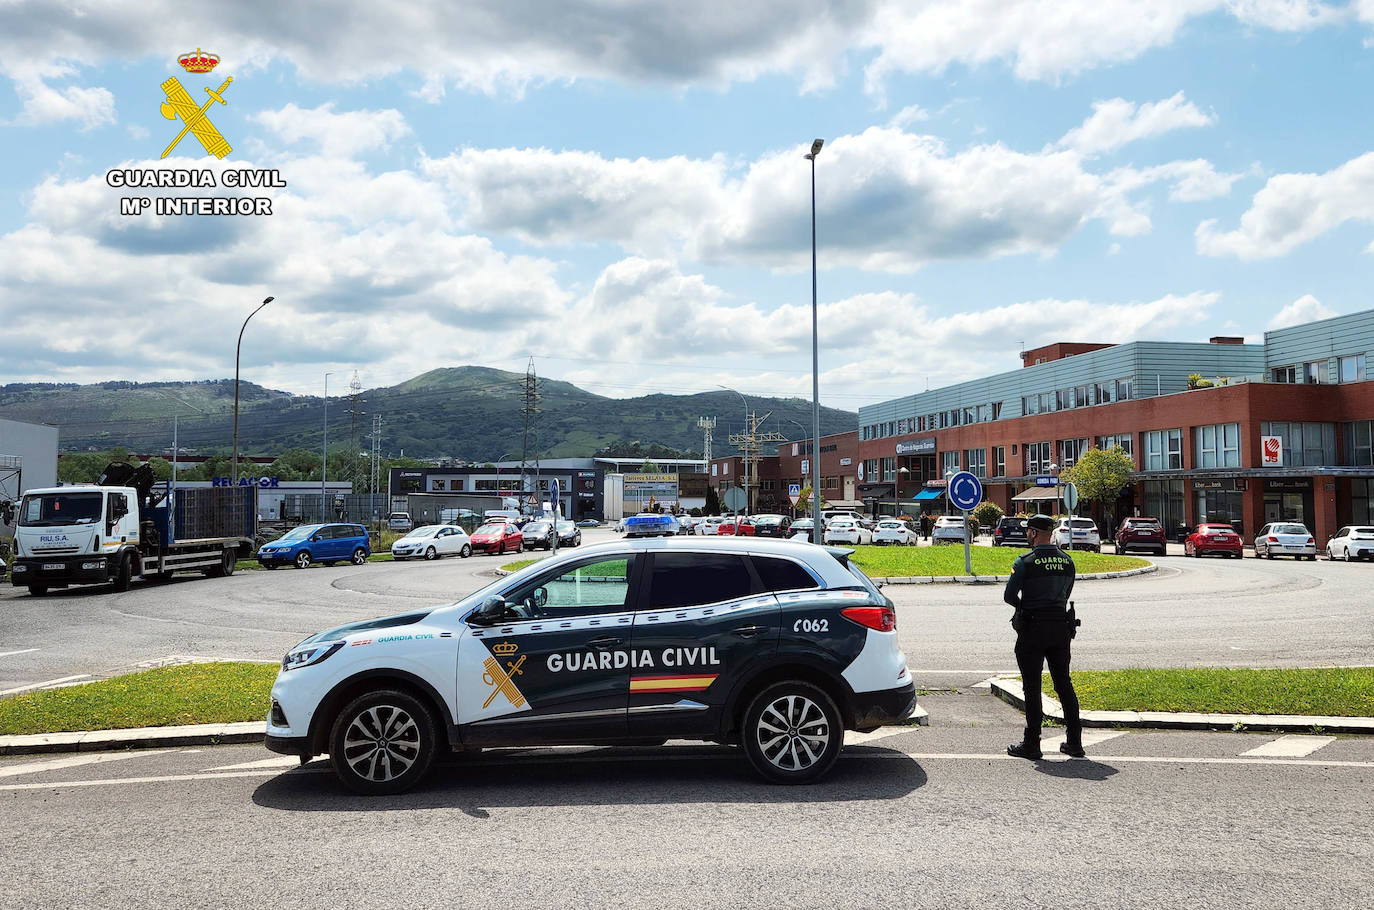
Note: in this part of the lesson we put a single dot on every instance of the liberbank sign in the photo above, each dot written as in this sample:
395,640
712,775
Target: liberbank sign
916,446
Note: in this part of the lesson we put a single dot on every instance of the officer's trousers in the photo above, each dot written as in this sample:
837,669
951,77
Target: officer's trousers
1037,644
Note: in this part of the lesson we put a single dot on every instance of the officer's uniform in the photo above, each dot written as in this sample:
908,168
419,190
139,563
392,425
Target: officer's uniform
1039,588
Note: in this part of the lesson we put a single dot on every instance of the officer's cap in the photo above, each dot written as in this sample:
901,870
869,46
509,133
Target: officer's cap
1040,523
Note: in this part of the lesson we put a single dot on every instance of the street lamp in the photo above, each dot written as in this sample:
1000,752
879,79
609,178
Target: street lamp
236,385
815,363
746,445
897,490
324,451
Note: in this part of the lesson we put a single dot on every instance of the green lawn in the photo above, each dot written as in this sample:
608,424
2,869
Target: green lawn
944,560
521,563
167,696
1342,691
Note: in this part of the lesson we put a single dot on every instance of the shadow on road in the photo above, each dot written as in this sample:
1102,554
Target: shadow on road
1080,769
670,776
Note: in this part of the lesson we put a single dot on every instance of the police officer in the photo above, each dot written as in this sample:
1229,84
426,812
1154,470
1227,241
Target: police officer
1039,588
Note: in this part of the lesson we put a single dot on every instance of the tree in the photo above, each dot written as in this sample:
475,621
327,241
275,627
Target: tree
987,514
712,501
804,503
1101,474
649,467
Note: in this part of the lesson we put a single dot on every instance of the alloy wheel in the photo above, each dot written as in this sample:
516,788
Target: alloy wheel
793,733
382,743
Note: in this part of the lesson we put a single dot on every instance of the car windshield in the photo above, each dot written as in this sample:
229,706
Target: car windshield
491,527
536,527
428,531
60,509
1142,523
1290,529
566,526
300,533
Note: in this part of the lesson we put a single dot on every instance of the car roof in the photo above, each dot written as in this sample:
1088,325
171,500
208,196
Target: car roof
822,560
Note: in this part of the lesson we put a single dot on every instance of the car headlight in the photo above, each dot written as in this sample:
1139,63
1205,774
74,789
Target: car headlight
306,655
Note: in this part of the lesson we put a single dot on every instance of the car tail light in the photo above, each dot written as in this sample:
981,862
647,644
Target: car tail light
1272,539
1310,540
884,619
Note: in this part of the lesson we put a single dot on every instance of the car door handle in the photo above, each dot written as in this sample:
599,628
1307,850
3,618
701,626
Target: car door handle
604,641
749,631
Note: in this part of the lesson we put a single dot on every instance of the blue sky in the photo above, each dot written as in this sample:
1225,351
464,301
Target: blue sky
617,188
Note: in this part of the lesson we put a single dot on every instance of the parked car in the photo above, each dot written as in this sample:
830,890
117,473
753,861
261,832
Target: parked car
687,524
948,529
650,524
589,523
537,535
497,537
893,531
1213,538
399,521
736,527
328,544
847,530
1352,542
1010,531
772,526
432,542
709,525
1285,538
1078,534
801,529
1141,534
569,534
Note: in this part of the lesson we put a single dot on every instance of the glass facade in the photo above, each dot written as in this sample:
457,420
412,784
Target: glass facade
1164,450
1216,446
1164,500
1304,444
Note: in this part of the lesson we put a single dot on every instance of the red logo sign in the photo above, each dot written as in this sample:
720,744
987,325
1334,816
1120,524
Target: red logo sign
1273,448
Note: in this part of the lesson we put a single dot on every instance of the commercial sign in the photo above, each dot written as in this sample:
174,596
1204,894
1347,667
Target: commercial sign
916,446
1296,483
846,462
264,482
1271,451
640,488
1227,484
1045,480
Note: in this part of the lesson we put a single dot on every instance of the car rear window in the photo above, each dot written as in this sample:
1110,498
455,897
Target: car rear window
783,574
1289,529
692,579
1084,523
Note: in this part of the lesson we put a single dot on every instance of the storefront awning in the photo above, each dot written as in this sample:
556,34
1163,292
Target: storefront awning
1036,494
928,494
842,503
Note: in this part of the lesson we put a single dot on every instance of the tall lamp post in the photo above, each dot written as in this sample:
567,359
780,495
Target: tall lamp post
324,449
237,347
746,447
815,364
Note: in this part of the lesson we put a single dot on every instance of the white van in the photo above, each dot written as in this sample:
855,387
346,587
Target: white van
507,514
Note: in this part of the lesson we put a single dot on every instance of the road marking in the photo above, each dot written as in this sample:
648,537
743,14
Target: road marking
1294,745
73,761
855,738
12,653
1090,738
280,761
44,685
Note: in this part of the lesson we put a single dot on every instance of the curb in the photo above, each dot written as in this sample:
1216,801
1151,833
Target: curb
1010,691
999,579
252,731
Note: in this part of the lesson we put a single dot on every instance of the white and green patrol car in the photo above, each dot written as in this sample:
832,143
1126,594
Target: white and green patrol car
775,645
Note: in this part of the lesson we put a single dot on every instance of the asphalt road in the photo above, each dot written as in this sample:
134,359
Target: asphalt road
927,817
1209,612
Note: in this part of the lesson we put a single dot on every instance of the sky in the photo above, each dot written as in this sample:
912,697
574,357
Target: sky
618,189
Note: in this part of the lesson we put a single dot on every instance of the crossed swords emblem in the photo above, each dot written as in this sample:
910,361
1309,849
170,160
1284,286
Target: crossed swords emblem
179,104
504,681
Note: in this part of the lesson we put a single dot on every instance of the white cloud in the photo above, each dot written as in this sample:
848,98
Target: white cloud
912,113
1285,15
1292,209
1116,122
1193,181
1305,309
42,105
343,134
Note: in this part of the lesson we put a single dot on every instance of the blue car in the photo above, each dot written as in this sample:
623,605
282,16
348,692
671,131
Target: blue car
328,544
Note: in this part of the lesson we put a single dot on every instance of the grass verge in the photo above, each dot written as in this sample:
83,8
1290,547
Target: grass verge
164,697
945,560
1332,691
521,563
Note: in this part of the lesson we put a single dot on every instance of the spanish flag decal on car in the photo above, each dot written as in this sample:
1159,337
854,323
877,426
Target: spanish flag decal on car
689,683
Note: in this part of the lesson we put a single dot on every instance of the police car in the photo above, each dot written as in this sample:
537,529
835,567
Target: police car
774,645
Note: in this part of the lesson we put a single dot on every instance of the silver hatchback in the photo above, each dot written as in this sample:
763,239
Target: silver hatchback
1285,538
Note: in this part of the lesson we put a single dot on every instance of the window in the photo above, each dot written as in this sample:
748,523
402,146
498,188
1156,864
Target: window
694,579
1359,501
768,484
1164,450
889,469
968,416
1063,399
1125,440
599,586
1357,444
1123,390
1081,397
782,574
1315,372
1217,446
1304,444
999,461
949,462
1045,400
1037,458
1352,368
830,483
1029,405
1102,393
977,461
1284,374
871,470
1070,450
997,410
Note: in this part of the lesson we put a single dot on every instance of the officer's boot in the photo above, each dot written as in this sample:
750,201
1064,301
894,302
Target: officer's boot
1029,747
1073,743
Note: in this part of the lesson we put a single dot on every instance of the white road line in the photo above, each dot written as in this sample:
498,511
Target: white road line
1294,745
73,761
280,761
1090,738
43,685
12,653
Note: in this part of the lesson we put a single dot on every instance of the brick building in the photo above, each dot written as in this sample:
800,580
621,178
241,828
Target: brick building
1197,451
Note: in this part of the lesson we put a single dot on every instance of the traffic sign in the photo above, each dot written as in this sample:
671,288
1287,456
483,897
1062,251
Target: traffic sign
965,491
1070,493
794,493
1045,480
734,499
553,497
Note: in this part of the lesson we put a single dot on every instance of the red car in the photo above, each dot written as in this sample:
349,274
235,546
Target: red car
1140,534
745,528
497,537
1213,538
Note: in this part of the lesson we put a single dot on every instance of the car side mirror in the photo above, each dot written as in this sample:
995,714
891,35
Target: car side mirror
491,610
317,538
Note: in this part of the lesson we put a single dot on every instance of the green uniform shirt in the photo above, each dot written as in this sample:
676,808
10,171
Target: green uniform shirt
1040,580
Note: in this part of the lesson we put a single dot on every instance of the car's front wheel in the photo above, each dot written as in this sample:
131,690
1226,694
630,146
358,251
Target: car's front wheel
792,732
303,559
431,554
382,742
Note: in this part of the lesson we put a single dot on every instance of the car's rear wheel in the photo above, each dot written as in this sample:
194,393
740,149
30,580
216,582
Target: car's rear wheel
303,559
382,742
359,556
792,732
431,554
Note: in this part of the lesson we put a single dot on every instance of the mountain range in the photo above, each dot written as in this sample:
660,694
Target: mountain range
471,413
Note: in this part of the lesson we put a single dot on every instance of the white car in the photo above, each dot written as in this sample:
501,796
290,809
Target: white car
709,526
847,530
1285,538
894,532
1078,534
948,529
1353,542
399,521
432,542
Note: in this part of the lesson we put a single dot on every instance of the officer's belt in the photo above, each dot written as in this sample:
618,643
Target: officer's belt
1044,615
